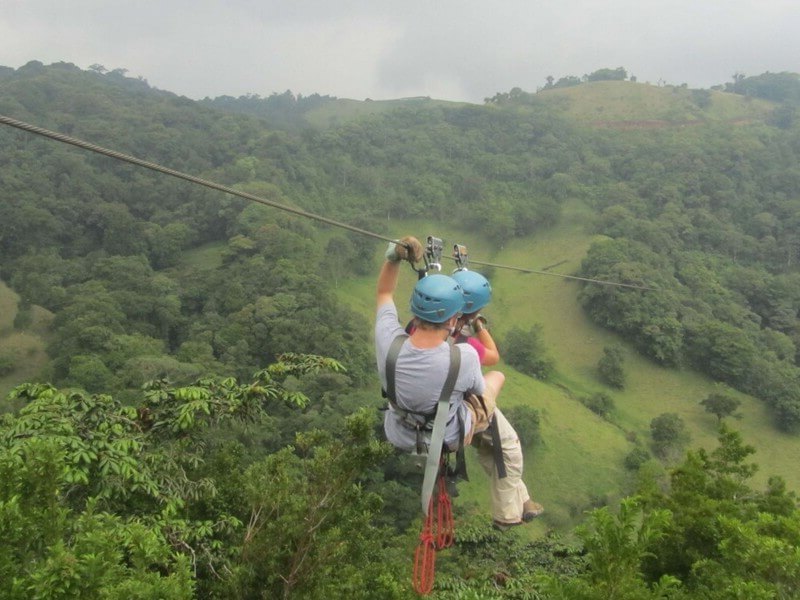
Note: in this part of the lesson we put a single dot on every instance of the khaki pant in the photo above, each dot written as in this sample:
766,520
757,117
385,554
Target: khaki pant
510,493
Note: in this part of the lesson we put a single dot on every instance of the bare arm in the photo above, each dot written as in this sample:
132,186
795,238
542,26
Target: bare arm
407,248
491,355
387,282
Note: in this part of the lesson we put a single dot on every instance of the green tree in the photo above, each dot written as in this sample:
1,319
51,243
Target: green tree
720,405
97,498
527,423
616,546
599,403
89,372
309,533
611,367
618,74
525,351
669,433
724,538
8,362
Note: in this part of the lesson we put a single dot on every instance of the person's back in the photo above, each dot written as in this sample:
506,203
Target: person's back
422,363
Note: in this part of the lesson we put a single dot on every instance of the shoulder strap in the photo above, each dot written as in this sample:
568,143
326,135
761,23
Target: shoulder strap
439,423
391,363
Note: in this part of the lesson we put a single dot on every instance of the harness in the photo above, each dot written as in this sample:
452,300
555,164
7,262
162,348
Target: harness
494,430
435,422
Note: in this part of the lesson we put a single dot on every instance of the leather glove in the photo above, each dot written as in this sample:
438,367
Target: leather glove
479,323
399,250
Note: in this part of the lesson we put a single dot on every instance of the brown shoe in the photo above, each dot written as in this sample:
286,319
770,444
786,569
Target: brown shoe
531,510
503,526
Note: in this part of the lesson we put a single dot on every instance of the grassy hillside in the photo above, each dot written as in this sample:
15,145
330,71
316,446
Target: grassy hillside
630,102
601,103
576,345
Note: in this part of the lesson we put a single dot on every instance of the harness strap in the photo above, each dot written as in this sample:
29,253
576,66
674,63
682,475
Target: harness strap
497,449
439,423
391,361
389,393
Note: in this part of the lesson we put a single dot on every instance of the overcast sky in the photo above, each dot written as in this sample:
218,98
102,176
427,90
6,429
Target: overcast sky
454,50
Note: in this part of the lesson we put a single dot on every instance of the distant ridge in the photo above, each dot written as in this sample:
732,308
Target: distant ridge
630,105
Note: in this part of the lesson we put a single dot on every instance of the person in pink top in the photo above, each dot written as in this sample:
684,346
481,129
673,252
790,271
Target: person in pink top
472,325
511,503
509,494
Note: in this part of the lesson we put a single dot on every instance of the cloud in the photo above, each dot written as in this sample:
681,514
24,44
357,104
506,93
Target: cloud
450,49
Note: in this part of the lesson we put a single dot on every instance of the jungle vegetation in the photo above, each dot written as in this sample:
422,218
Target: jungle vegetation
205,425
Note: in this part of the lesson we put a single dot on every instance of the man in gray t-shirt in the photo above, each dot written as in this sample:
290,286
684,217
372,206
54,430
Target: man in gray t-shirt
424,358
420,376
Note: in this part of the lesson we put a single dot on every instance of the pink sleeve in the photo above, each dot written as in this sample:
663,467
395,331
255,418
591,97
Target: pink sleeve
479,348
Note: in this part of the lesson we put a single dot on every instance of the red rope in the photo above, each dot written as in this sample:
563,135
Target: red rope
430,542
445,528
425,557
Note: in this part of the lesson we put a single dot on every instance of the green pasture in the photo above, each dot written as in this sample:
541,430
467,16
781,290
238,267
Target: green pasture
595,102
576,344
205,257
27,348
636,101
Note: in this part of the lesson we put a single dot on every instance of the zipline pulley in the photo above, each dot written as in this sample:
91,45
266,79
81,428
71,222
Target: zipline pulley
460,256
432,256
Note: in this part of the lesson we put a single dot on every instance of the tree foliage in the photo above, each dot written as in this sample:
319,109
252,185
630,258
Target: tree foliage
706,535
599,403
525,351
669,433
98,498
720,405
611,367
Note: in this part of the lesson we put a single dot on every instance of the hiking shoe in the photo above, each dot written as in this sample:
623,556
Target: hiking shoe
531,510
452,490
503,526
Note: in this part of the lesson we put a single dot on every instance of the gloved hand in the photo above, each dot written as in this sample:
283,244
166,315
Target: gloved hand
479,323
399,250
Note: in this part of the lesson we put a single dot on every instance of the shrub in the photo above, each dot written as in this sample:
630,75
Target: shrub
526,421
610,367
669,433
525,351
600,403
636,458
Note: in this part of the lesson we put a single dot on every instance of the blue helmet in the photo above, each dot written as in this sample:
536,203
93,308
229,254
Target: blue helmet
436,298
477,291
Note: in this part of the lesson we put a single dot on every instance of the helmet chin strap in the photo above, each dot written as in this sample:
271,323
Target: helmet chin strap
451,326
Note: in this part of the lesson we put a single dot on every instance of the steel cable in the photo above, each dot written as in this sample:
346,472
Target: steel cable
60,137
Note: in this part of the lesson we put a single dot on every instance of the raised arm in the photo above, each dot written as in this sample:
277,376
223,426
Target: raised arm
387,282
407,248
491,355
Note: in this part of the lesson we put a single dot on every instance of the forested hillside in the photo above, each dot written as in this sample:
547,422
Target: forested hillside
205,408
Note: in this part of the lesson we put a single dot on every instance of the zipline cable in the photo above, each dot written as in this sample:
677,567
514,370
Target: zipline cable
60,137
575,277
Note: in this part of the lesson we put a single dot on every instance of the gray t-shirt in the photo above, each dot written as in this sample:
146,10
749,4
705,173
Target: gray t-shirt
419,377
